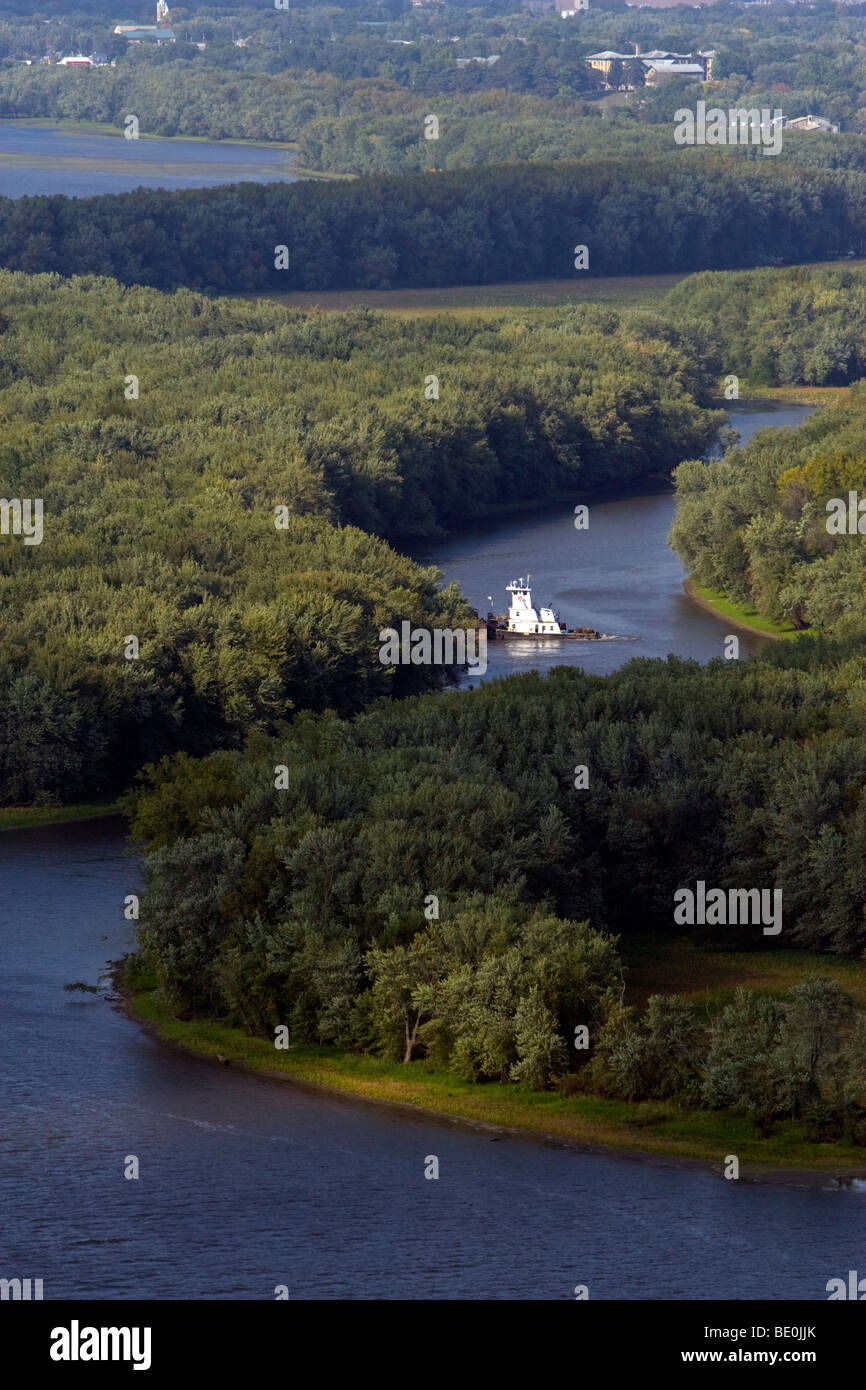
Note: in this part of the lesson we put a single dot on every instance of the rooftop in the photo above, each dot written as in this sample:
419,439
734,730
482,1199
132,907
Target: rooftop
667,65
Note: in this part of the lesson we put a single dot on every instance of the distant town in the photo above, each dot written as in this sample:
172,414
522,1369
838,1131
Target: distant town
160,32
617,72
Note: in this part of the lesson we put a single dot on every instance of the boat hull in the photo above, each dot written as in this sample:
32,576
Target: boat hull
589,636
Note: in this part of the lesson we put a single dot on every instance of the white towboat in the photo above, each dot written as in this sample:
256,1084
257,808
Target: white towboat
524,620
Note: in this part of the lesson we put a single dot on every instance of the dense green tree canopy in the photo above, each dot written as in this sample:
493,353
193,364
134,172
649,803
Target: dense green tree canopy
505,222
160,511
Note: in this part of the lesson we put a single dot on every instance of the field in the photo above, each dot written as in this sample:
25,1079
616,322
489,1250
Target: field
621,291
634,291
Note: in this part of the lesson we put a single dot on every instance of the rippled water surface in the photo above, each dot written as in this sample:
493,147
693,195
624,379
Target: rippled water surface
619,576
47,160
249,1183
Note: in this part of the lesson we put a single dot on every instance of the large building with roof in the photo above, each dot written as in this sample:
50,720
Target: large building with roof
135,33
658,64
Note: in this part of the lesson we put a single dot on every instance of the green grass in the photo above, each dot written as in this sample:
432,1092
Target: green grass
743,615
20,817
622,291
652,1128
640,291
680,965
792,395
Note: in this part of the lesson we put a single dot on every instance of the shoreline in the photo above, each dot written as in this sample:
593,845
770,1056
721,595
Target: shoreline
67,126
793,395
653,485
691,589
340,1074
35,817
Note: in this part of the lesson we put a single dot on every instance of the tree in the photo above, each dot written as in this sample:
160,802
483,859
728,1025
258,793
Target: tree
400,1000
742,1070
541,1052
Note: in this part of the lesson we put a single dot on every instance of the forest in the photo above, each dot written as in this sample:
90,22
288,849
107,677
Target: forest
797,326
373,126
480,226
160,515
427,879
756,523
432,882
160,507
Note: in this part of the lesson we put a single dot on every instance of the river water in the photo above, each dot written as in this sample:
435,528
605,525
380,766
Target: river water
246,1183
48,160
619,576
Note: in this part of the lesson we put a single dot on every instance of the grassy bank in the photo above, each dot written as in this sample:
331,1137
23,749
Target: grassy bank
739,614
649,1128
20,817
792,395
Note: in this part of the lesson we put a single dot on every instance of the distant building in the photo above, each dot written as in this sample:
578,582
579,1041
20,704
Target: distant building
135,33
539,6
159,31
75,60
464,62
602,61
100,60
658,64
810,123
660,70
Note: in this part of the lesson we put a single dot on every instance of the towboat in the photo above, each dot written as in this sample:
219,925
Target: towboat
524,620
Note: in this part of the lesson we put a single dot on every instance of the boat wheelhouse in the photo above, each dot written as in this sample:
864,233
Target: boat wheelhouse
522,617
